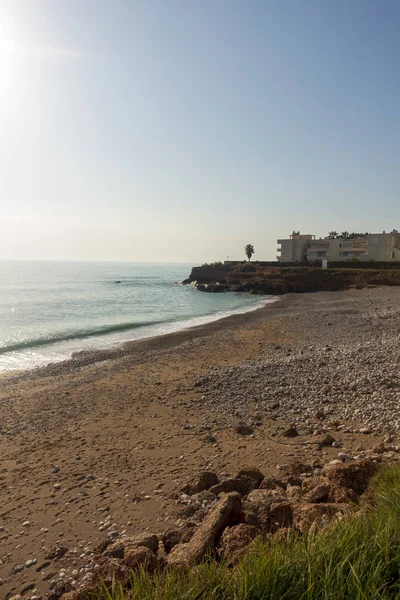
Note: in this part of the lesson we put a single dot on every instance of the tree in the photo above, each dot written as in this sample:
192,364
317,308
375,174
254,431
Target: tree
345,235
332,235
249,251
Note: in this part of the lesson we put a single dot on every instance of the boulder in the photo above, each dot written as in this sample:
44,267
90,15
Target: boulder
355,475
252,476
299,467
117,548
290,432
206,537
241,486
204,481
141,558
235,542
173,537
257,505
244,429
281,514
272,483
318,516
294,492
109,571
318,494
324,439
339,495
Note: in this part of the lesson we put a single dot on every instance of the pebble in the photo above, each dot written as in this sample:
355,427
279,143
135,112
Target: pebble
358,378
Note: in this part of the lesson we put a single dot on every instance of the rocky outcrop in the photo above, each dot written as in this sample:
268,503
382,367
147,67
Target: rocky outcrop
258,279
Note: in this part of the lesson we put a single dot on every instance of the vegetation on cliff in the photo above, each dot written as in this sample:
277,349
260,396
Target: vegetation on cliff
356,558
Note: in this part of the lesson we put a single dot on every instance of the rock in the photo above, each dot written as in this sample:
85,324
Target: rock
235,542
56,552
141,558
365,430
173,537
340,495
294,492
59,588
205,497
240,486
355,475
345,457
257,507
207,535
108,572
86,593
318,494
281,514
318,516
251,475
291,432
379,448
272,483
324,439
244,429
299,467
17,569
204,481
117,549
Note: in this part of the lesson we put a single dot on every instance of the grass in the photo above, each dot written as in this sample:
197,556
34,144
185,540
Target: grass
358,558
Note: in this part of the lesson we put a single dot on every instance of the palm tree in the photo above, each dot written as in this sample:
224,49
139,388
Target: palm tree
249,251
332,235
345,235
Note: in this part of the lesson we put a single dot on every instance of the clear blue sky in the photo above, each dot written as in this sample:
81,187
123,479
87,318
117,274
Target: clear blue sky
180,130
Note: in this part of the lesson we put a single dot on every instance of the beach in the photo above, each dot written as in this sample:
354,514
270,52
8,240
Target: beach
103,443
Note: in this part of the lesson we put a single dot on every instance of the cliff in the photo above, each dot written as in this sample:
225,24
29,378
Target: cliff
256,279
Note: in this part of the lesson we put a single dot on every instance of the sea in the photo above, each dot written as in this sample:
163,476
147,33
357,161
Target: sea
50,310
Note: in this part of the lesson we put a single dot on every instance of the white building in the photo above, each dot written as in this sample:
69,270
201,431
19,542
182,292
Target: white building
294,248
306,248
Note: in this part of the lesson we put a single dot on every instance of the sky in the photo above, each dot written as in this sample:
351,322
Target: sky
179,130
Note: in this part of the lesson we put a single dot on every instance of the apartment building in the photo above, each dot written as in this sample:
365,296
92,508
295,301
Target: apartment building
306,248
294,249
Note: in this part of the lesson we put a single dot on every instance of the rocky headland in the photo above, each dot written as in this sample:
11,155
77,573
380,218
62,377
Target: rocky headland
258,279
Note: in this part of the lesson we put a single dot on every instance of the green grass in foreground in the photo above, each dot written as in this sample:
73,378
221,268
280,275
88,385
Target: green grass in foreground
358,558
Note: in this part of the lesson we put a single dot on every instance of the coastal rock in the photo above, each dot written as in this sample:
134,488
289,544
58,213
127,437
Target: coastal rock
203,481
318,494
252,476
141,557
355,475
207,535
235,542
281,514
318,516
241,486
173,537
117,549
256,507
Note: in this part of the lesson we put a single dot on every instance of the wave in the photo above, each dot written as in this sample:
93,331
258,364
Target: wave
75,335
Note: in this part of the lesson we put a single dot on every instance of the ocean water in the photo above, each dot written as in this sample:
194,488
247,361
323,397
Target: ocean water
49,310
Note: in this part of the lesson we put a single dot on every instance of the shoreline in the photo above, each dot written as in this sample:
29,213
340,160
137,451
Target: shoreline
86,358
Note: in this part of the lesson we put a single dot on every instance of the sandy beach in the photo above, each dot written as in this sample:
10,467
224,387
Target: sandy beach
102,443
